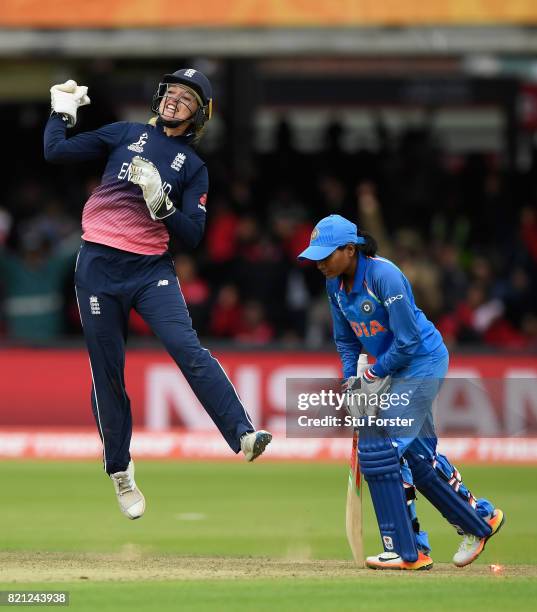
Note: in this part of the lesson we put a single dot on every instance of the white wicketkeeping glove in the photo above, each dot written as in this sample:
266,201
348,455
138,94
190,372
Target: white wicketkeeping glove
67,97
144,173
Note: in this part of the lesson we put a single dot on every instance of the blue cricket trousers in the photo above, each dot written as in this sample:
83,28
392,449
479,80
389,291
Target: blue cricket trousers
109,282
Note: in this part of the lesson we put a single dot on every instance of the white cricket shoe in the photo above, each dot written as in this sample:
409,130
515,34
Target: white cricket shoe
253,444
392,561
472,546
130,498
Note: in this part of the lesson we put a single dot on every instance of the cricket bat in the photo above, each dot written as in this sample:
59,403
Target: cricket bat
353,514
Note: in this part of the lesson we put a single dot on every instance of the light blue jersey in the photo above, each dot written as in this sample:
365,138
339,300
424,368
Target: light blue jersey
381,315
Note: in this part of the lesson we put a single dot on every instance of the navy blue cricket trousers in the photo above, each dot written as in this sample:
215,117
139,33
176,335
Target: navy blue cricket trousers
110,282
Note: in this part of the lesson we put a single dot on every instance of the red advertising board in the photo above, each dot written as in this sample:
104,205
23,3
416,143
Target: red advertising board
489,395
487,411
178,444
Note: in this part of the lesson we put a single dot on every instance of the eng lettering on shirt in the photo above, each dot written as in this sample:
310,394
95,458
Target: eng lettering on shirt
124,174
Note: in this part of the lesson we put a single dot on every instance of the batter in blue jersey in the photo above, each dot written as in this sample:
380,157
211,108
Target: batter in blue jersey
373,311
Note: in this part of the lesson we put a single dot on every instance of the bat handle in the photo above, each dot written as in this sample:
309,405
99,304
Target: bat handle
362,364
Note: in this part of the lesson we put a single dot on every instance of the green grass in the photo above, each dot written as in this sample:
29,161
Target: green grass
287,595
291,510
265,509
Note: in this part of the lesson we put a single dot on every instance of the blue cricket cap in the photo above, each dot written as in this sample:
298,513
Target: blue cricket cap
329,234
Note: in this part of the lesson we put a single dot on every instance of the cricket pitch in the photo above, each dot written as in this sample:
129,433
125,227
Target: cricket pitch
19,567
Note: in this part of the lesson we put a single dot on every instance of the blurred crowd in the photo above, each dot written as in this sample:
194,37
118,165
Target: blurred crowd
461,227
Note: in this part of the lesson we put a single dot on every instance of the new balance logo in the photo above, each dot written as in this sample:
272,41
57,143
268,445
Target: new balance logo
178,162
138,146
94,305
163,283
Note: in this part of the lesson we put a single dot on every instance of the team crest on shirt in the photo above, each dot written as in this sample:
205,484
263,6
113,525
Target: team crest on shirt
178,162
95,307
367,307
138,146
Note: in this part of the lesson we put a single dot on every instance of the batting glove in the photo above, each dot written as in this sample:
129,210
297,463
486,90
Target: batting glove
144,173
360,389
371,383
354,404
66,98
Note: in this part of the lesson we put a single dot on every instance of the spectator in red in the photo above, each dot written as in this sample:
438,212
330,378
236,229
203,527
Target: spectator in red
480,319
222,234
292,233
195,290
254,328
226,313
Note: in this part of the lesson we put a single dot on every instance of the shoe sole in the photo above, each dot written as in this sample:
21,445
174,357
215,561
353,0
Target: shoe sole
261,442
401,568
484,542
126,512
132,518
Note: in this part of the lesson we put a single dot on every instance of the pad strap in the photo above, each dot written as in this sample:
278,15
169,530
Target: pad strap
443,495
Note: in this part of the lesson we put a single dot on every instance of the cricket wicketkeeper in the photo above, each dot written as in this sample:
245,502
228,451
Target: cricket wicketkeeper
154,185
373,311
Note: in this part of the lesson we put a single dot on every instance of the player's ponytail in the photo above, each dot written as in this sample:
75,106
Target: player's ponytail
370,247
198,133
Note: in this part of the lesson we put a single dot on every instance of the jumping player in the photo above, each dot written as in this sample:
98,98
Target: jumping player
373,307
154,185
